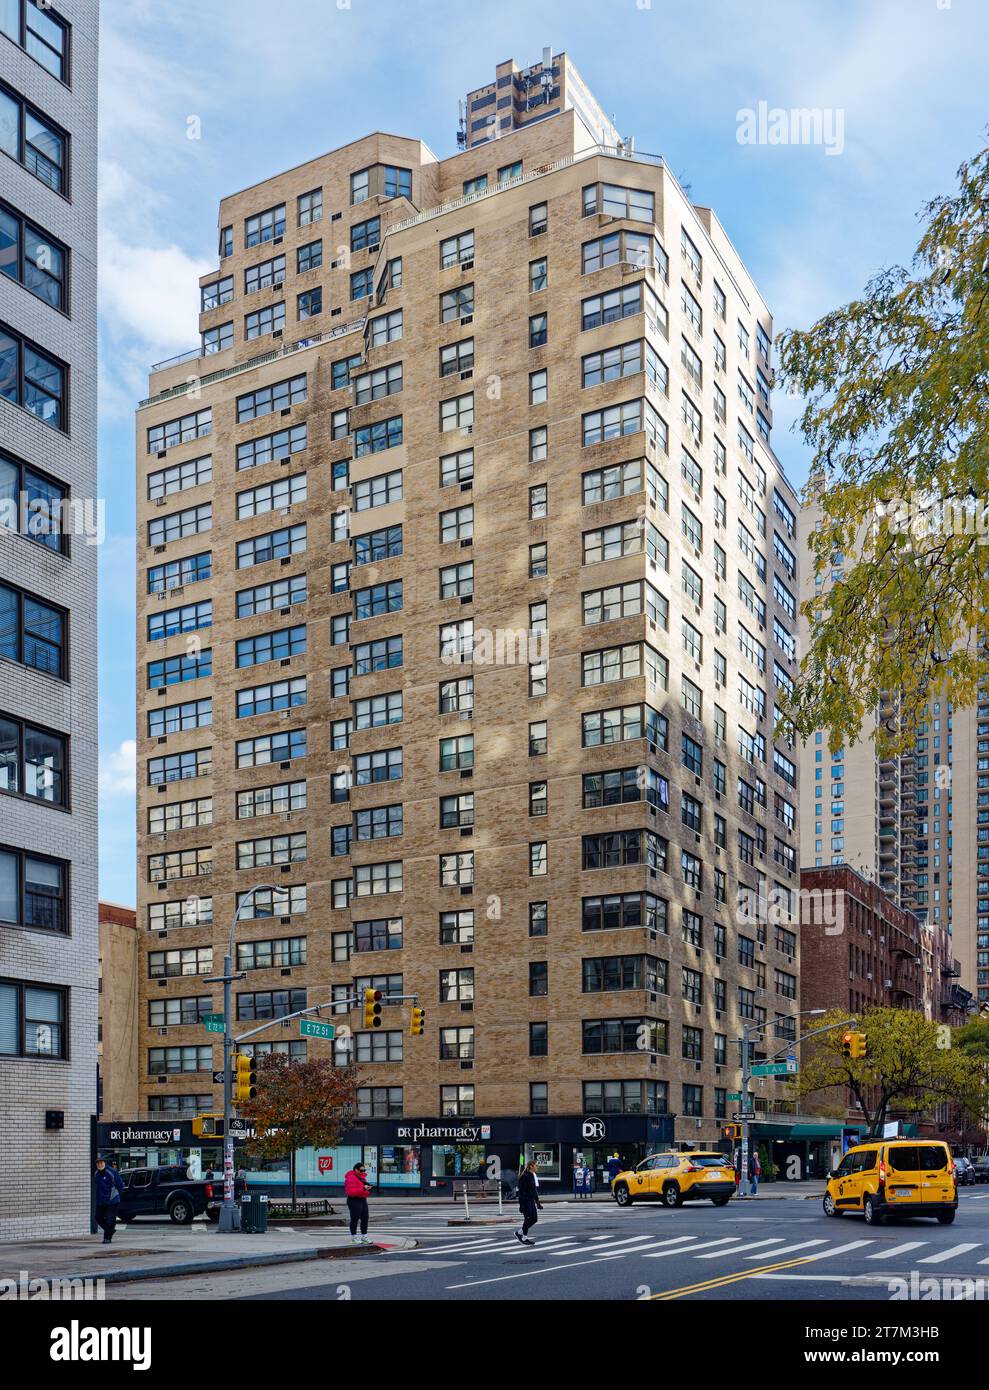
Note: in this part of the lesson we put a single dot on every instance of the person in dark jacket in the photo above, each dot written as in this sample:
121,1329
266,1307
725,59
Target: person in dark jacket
614,1167
529,1203
109,1189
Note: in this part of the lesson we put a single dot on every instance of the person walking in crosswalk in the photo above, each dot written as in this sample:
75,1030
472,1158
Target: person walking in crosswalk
529,1203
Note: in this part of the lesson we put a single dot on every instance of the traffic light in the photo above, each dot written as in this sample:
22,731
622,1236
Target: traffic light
245,1079
207,1126
417,1022
846,1044
854,1046
372,1008
731,1131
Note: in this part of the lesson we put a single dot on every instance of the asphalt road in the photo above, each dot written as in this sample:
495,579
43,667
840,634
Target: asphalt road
777,1249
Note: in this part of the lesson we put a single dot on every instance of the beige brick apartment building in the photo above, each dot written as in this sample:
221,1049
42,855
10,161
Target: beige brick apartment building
466,584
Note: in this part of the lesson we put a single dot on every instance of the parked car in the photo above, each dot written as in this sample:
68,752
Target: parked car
169,1191
964,1172
981,1167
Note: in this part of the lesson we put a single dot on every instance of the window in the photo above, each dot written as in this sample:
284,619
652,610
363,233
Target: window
281,396
611,306
457,303
457,249
218,292
33,140
384,765
29,377
33,891
178,525
309,304
309,257
538,219
31,632
40,32
268,447
538,275
387,328
36,260
310,207
538,444
271,748
510,171
264,226
268,320
477,185
264,275
32,1020
373,439
189,618
181,431
611,200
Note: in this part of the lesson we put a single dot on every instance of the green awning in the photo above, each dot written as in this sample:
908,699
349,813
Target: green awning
810,1130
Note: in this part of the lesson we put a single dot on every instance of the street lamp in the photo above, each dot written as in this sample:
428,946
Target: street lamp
229,1214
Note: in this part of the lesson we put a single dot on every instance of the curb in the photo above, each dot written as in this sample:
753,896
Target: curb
327,1252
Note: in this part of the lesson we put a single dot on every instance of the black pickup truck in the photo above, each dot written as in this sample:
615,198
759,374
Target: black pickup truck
169,1191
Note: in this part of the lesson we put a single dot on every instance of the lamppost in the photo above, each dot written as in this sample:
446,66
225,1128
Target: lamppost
229,1214
750,1036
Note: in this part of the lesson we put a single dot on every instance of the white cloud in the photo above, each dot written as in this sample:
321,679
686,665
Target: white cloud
150,292
118,771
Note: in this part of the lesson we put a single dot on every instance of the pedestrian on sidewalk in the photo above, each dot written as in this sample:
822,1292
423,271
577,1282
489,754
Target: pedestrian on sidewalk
356,1188
109,1188
614,1167
529,1203
755,1173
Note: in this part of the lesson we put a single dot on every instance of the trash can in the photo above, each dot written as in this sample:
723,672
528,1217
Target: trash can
254,1213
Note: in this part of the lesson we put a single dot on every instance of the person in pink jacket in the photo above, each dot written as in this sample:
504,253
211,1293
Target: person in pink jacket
356,1187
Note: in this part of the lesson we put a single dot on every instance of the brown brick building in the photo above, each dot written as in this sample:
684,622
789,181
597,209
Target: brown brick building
466,583
116,1047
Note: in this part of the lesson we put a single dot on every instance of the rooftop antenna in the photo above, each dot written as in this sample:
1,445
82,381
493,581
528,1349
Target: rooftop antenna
462,124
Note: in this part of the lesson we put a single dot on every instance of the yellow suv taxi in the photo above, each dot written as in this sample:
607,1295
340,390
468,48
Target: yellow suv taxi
894,1177
675,1178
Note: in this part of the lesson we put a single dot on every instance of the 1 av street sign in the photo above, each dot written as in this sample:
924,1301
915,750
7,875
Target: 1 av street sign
734,1095
312,1028
212,1018
787,1068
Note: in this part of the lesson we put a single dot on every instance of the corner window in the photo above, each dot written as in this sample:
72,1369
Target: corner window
32,1020
33,892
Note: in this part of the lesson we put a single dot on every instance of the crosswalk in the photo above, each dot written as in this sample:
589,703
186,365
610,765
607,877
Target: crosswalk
560,1248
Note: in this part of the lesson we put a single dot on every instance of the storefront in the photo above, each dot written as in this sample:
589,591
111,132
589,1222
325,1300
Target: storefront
801,1151
415,1156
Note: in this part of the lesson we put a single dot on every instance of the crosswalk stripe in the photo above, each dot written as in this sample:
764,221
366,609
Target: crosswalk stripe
897,1250
725,1240
749,1245
558,1247
612,1244
839,1249
788,1249
485,1244
943,1255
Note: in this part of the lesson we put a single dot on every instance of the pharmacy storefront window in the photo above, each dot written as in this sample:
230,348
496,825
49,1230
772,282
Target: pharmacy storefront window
399,1165
458,1161
547,1158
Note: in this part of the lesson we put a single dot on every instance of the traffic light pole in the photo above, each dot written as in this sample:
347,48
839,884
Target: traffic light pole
748,1037
229,1213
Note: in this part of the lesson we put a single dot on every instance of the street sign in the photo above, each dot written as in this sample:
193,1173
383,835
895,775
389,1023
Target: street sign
218,1078
744,1115
312,1028
212,1027
734,1095
787,1068
212,1018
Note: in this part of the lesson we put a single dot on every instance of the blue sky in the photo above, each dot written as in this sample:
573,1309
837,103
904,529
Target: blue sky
272,86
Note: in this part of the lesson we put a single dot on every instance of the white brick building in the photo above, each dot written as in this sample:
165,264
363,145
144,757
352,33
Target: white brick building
48,710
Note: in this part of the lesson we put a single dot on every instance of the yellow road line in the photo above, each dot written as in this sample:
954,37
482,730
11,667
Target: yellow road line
719,1282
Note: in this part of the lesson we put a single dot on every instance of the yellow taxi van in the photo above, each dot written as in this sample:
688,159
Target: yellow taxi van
894,1177
675,1178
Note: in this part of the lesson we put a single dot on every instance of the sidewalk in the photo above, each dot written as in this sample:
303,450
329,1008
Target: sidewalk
148,1250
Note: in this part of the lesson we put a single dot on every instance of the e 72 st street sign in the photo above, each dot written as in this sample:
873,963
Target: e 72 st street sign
214,1025
312,1028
